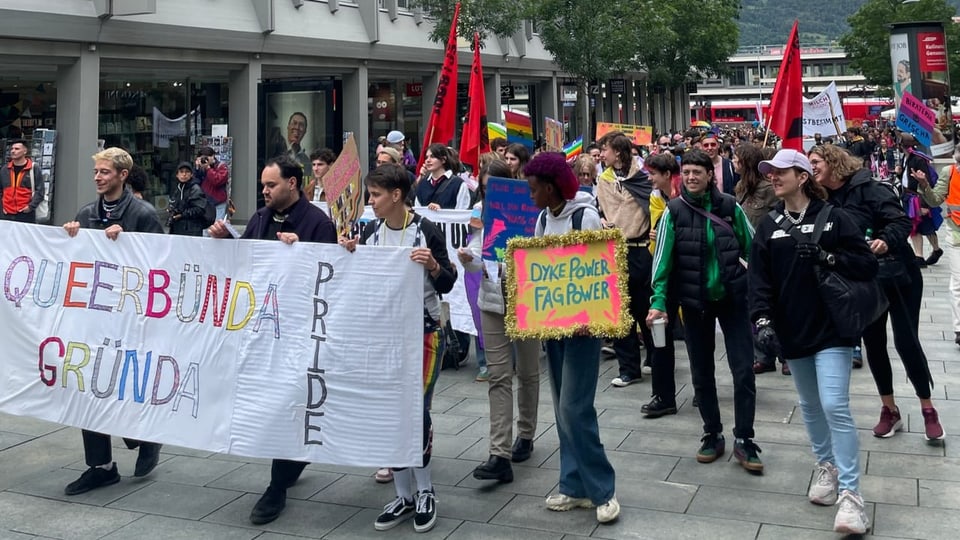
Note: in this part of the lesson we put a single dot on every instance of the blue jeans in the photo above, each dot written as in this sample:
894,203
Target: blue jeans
823,382
585,471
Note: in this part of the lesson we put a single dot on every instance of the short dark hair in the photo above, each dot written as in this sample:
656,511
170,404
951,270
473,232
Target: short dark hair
498,142
621,145
137,179
206,151
288,168
390,176
698,158
441,152
17,141
663,162
325,155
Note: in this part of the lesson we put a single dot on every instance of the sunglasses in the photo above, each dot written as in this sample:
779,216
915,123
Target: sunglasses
709,145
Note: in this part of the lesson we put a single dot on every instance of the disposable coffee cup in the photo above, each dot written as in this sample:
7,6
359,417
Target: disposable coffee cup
659,331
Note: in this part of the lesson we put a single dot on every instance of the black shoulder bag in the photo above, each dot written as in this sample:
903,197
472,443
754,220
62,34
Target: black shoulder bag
853,304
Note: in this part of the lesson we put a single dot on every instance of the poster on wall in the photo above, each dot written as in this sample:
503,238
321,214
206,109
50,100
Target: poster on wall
295,125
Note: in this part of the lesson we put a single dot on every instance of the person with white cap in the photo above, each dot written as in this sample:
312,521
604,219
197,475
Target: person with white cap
791,318
398,141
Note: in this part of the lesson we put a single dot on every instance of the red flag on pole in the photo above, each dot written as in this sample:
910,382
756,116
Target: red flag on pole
475,139
443,117
786,103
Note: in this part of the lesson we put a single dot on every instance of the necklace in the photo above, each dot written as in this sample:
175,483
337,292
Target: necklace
799,219
108,208
279,218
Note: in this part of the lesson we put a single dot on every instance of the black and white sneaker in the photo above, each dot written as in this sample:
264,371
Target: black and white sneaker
394,514
426,516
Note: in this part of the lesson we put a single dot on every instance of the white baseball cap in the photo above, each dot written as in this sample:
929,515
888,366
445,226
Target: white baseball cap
395,137
786,159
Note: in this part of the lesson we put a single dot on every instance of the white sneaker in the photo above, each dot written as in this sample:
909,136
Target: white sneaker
851,518
624,380
608,511
562,503
823,489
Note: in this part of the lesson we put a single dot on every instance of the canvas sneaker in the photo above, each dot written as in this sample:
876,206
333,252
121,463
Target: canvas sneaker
395,513
562,503
851,518
890,422
608,511
712,447
426,513
747,454
823,489
625,380
932,430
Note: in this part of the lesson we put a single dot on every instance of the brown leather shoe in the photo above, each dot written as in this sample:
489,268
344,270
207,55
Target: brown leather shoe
763,367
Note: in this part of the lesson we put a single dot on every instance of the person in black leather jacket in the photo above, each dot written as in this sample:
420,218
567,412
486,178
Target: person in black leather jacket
114,211
877,211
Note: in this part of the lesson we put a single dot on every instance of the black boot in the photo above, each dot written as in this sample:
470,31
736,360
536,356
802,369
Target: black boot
147,459
496,468
657,408
268,508
522,448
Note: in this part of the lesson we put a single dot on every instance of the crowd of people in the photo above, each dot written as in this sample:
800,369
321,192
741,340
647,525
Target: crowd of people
719,229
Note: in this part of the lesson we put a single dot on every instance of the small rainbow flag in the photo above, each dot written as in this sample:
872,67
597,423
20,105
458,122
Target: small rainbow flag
519,128
574,149
495,130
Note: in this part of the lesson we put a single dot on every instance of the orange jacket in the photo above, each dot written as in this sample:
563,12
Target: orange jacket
18,189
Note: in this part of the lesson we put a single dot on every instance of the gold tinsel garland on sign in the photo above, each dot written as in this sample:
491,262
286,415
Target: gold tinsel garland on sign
571,238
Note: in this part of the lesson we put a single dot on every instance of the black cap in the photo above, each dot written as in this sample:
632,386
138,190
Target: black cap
185,165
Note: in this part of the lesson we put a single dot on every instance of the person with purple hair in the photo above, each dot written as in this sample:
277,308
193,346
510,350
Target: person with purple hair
587,479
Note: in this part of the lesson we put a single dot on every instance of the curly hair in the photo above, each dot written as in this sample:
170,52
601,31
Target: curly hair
552,168
842,164
749,155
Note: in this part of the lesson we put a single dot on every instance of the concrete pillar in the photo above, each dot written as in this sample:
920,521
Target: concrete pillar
630,117
548,94
355,113
243,127
78,105
491,90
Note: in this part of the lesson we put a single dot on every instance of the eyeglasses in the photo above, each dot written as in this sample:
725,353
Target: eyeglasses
585,174
709,145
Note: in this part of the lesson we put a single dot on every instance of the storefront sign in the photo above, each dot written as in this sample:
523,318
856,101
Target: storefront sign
618,86
506,92
560,284
568,93
414,90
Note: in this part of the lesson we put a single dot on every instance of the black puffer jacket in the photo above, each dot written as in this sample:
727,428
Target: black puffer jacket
131,213
876,207
190,203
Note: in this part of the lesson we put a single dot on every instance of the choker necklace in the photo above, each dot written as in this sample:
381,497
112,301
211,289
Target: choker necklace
280,218
798,220
108,208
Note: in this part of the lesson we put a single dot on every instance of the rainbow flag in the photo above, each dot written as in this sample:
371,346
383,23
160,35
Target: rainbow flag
574,149
496,130
519,128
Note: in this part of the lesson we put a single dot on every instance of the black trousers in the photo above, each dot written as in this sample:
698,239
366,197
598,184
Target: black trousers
98,451
700,335
640,265
22,217
664,361
905,299
284,472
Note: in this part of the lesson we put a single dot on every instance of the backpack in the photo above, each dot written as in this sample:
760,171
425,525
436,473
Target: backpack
576,218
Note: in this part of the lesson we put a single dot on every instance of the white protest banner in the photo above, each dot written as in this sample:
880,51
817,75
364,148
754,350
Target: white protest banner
455,225
253,348
824,114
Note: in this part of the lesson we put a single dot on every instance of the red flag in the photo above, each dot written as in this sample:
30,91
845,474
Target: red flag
443,118
475,139
786,103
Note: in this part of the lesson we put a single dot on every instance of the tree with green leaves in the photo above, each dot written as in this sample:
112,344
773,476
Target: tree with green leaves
868,41
499,18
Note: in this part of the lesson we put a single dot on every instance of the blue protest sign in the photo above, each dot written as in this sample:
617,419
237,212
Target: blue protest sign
507,212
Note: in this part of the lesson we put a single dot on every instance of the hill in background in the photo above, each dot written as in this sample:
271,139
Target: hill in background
768,22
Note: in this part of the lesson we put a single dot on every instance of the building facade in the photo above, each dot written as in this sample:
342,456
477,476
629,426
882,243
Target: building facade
155,76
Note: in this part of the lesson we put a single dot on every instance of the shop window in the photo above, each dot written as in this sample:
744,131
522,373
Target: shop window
26,106
738,76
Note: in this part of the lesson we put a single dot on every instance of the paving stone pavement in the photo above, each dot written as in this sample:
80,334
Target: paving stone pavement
912,488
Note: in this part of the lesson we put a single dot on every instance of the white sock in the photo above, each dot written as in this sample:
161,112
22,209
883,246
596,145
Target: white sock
424,478
403,482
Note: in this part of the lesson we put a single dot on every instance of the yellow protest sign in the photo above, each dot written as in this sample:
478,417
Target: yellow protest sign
640,135
559,283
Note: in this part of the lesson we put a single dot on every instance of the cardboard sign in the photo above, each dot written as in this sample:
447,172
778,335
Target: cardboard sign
915,118
508,212
559,284
343,188
641,135
553,134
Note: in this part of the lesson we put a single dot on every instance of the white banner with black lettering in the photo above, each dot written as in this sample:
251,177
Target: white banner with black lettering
252,348
823,114
455,225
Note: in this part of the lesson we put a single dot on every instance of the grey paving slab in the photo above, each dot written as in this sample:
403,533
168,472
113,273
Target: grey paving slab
914,522
351,490
25,425
910,466
655,495
777,532
452,424
532,481
22,461
176,500
902,443
56,519
299,518
450,472
784,472
169,528
888,489
50,486
254,478
9,438
469,530
192,470
531,513
452,447
360,527
637,524
773,508
937,494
